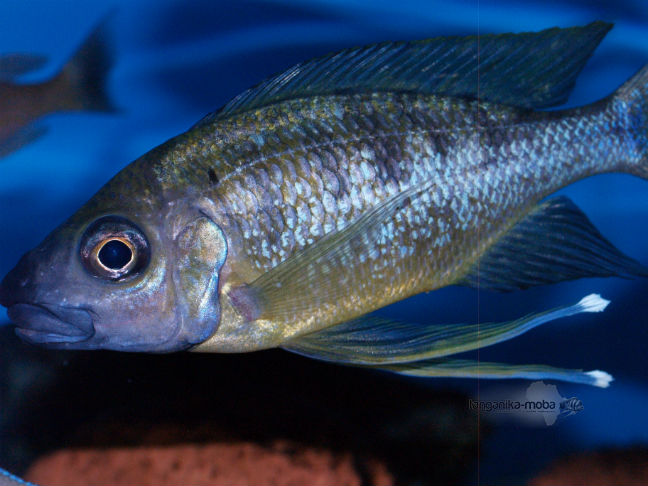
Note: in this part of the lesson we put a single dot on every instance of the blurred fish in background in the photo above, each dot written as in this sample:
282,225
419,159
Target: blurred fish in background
79,86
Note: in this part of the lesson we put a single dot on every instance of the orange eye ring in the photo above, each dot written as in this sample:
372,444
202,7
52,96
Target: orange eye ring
113,248
102,246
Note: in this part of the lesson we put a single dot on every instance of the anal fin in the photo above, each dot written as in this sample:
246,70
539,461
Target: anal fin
553,243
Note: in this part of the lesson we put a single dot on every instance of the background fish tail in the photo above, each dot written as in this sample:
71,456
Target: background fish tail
633,96
82,82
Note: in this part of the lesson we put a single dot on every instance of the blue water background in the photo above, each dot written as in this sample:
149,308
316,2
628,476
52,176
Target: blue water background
177,61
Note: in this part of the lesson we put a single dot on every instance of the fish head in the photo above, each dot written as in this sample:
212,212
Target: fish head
120,275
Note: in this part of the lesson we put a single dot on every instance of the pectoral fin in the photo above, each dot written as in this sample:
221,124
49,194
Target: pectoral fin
416,348
317,275
553,243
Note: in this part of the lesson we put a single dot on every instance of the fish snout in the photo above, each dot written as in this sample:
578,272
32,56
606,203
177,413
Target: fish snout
38,321
51,324
17,285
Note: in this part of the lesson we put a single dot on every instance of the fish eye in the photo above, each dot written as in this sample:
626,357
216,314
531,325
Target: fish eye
115,254
114,248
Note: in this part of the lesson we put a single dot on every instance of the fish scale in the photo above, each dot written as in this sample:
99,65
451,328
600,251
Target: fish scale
421,139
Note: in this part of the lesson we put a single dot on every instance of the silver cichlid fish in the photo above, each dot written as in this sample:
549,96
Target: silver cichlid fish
342,185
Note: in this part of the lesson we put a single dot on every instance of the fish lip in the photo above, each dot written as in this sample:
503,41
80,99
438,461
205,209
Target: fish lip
41,323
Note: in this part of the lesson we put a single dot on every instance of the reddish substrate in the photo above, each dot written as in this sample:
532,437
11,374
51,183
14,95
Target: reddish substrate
627,467
235,463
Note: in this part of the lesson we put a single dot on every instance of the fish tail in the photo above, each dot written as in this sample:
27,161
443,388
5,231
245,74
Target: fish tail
633,96
83,80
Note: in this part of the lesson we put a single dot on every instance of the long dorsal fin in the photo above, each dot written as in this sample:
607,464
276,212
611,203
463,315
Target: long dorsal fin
553,243
531,70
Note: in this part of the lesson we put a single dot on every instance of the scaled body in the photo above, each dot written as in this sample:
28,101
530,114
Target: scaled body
330,191
290,173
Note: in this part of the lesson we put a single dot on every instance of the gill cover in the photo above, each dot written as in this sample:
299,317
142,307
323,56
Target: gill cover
200,252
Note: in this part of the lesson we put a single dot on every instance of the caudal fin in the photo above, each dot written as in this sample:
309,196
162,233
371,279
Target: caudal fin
634,97
84,77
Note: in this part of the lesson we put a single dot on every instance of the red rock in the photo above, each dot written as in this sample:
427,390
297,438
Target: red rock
223,463
627,467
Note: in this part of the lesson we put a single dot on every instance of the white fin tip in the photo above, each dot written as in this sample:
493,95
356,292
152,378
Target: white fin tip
593,303
601,378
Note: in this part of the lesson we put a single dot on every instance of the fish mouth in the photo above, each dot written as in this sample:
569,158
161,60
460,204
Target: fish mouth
51,324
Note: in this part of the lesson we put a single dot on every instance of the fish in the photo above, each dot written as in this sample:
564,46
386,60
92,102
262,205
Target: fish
339,186
570,406
79,86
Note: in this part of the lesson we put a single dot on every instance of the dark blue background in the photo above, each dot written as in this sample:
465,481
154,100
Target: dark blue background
177,61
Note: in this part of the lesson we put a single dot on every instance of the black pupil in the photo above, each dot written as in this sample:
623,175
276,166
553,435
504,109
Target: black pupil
115,255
